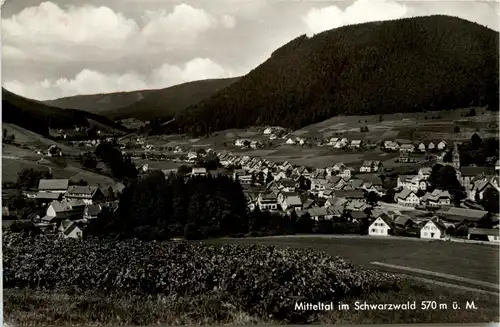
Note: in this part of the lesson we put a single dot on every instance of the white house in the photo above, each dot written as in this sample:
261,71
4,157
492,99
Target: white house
290,141
421,147
242,142
356,144
341,144
433,229
436,198
70,229
268,131
497,166
273,137
267,201
431,146
391,145
411,182
256,144
290,200
300,140
345,173
333,141
407,198
380,227
442,145
407,148
198,171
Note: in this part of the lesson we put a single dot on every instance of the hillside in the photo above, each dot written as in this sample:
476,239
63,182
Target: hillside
38,117
407,65
99,103
147,104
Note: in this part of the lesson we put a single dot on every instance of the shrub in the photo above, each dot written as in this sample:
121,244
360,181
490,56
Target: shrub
260,280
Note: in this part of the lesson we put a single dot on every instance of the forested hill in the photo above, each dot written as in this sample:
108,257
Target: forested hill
406,65
145,104
38,117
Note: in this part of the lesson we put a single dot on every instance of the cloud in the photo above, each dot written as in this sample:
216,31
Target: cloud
48,33
321,19
92,82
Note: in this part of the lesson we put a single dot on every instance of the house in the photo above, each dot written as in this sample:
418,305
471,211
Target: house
245,179
407,198
89,194
318,184
356,144
256,144
286,166
268,131
290,141
335,202
53,185
421,147
45,197
300,140
468,174
366,167
436,198
358,216
65,209
92,211
491,235
333,141
407,148
497,166
433,229
424,173
354,184
242,142
321,213
410,182
70,229
199,171
287,185
289,200
341,144
336,182
404,222
477,189
303,171
382,226
442,145
431,146
267,202
345,173
391,145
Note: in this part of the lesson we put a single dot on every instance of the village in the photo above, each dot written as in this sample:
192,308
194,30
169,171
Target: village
361,194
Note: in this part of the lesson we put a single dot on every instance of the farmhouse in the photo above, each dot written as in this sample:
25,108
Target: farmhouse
65,209
442,145
92,211
404,222
431,146
391,145
256,144
369,166
491,235
410,182
290,141
70,229
290,200
424,173
349,195
421,147
433,229
267,202
333,141
479,187
468,174
88,194
407,198
407,148
436,198
341,144
199,171
382,226
53,185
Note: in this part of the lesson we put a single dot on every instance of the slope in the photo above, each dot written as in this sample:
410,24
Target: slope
146,104
99,103
38,117
406,65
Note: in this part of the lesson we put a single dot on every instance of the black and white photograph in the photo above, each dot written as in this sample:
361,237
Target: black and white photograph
250,162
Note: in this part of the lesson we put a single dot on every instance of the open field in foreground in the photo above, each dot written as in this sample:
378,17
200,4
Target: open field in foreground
474,261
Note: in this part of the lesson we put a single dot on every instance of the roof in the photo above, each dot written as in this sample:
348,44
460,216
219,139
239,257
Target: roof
47,196
354,194
317,211
404,194
358,215
403,220
199,170
483,231
354,142
287,182
53,184
267,196
356,183
66,205
425,170
93,209
70,229
436,195
455,213
386,219
373,179
334,179
406,146
438,223
474,171
87,190
293,200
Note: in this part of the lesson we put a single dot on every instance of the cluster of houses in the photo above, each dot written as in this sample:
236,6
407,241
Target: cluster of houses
68,208
341,191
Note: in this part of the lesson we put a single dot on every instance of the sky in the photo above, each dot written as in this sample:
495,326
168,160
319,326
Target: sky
59,48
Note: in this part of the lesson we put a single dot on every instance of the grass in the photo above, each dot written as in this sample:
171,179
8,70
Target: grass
23,307
473,261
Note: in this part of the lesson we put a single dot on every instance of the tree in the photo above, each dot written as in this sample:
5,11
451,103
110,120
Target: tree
448,156
372,198
111,194
471,113
476,141
29,178
490,200
89,161
456,129
269,177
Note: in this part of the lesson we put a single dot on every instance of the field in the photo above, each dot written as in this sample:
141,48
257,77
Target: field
465,260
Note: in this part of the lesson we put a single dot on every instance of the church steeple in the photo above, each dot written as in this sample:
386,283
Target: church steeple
456,157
